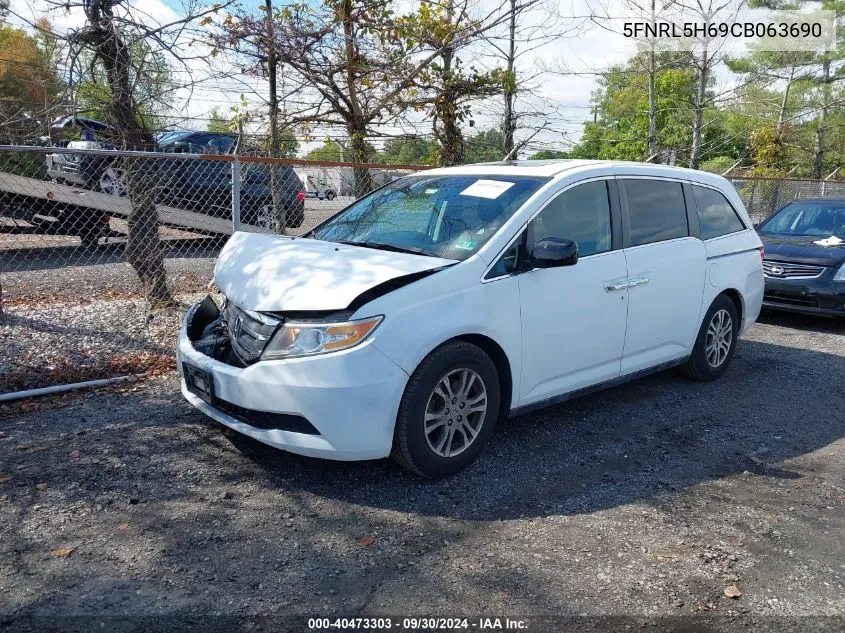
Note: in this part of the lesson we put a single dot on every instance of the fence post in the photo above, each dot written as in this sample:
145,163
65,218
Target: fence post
236,194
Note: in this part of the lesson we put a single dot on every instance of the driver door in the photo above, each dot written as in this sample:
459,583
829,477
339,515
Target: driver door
574,317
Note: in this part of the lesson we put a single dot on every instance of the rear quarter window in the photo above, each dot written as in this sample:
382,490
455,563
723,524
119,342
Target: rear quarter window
716,216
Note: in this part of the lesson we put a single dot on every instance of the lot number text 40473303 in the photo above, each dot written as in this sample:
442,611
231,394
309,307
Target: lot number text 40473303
415,624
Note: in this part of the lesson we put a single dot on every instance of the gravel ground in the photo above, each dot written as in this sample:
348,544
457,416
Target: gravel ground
66,341
646,501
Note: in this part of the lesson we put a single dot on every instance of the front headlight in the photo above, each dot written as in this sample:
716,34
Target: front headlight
840,274
307,339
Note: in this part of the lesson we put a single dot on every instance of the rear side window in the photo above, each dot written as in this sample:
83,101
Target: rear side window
656,210
716,216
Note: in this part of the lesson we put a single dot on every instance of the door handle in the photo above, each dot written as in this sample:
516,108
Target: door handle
615,287
637,281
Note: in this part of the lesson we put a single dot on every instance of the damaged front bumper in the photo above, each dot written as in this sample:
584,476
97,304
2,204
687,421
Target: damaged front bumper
341,405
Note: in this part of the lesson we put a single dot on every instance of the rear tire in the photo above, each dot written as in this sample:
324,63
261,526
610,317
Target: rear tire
295,217
716,343
448,411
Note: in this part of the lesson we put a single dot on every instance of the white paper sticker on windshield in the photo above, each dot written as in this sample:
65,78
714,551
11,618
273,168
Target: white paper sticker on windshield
487,189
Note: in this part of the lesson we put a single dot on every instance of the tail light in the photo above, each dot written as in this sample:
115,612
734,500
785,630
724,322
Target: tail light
762,250
105,219
301,195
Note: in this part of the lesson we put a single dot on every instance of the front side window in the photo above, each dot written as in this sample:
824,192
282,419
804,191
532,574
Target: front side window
450,216
716,216
580,214
812,219
656,210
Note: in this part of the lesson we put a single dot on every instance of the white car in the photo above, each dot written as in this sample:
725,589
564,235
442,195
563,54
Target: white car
414,320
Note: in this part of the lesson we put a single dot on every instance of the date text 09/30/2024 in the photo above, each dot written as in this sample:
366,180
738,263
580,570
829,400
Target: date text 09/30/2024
418,624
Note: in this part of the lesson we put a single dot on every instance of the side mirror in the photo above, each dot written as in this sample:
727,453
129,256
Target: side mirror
553,252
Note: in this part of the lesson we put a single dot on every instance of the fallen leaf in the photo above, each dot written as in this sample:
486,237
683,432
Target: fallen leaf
75,454
42,487
366,541
755,459
732,592
4,479
731,577
122,526
61,552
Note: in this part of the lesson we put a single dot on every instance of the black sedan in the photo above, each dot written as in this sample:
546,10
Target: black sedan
804,262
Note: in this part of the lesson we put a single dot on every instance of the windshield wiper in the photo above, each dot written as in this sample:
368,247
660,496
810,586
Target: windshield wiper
414,250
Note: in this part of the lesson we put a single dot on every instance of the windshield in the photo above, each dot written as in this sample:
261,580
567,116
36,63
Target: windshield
448,216
813,219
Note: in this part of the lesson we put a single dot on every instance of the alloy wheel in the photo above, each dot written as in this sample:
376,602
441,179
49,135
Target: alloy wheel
455,412
717,344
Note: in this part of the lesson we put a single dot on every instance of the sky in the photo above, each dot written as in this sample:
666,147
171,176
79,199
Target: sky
582,52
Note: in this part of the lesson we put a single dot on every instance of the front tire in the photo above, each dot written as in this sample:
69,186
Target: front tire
716,343
448,411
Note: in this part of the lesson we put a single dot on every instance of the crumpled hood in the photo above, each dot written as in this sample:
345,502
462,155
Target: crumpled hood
274,273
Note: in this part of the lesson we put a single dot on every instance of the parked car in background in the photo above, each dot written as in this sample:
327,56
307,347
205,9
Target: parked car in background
204,186
84,170
409,323
804,263
319,190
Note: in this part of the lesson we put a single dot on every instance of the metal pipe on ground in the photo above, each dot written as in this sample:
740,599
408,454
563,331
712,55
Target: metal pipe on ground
46,391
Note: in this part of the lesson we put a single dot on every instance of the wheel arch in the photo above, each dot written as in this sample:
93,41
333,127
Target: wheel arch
500,361
736,296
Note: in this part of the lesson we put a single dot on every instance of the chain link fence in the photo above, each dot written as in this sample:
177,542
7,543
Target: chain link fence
762,196
93,242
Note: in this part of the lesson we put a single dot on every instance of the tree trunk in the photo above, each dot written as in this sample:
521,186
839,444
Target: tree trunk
143,246
698,120
356,124
652,110
276,180
652,99
784,104
360,154
818,148
446,110
509,122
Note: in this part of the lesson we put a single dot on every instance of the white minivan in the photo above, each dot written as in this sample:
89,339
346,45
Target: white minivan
412,321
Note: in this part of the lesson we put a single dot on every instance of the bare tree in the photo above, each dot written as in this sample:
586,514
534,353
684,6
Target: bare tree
108,34
529,25
449,26
707,54
354,64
